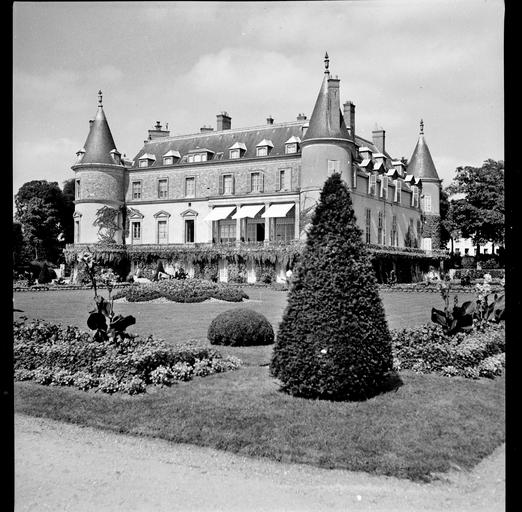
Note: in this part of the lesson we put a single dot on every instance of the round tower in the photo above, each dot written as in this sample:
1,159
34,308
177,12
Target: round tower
327,146
99,182
421,166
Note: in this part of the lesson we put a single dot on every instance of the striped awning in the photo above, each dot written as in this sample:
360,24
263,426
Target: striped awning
219,213
278,210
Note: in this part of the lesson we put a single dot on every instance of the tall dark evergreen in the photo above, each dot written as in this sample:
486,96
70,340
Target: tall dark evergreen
333,341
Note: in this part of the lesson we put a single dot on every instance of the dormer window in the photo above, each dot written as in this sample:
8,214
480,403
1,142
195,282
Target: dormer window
171,157
264,147
116,156
146,160
237,150
292,145
366,153
415,196
199,155
79,155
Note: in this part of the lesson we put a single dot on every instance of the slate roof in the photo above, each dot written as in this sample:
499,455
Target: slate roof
319,125
421,164
221,141
99,143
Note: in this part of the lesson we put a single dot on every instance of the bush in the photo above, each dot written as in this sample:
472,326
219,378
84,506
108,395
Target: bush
189,290
473,273
240,327
54,355
426,349
333,341
46,275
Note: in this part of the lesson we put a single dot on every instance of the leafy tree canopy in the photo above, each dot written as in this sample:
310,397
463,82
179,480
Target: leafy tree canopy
480,213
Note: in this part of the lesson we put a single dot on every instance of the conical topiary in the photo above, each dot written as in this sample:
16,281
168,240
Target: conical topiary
333,341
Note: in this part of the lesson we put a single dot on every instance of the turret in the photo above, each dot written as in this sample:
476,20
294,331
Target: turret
327,145
422,167
99,180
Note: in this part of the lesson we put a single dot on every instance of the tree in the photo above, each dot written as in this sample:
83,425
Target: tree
445,227
480,214
333,341
67,210
39,209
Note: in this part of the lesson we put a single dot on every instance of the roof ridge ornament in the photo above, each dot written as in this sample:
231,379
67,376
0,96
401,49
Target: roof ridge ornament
100,97
421,127
326,64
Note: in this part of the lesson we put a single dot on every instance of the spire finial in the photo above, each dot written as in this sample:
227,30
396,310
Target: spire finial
421,127
100,96
326,63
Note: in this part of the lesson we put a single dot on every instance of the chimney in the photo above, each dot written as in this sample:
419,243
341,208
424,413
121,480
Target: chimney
349,116
206,128
301,117
378,139
334,102
157,132
269,120
224,121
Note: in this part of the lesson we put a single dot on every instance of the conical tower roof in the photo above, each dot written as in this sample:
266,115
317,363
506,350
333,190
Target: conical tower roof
320,125
421,164
99,143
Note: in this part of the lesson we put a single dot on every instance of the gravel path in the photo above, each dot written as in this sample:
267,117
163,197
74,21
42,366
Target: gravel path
62,467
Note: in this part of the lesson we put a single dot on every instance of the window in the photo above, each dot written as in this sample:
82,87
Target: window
189,231
198,157
415,196
77,231
426,244
136,231
284,229
354,175
226,184
190,186
372,184
162,232
398,191
419,231
168,160
144,163
77,189
284,179
380,237
427,203
136,190
384,187
234,153
162,189
333,166
394,234
256,182
368,225
226,231
190,158
291,148
262,151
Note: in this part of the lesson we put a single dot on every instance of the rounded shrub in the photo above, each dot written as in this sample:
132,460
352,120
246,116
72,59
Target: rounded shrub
333,341
240,327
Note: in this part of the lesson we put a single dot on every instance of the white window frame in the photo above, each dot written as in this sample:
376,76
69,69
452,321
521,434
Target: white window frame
259,188
354,175
398,191
384,187
134,224
262,151
168,160
414,196
187,180
77,231
287,174
231,178
143,163
77,188
291,148
372,184
166,181
234,154
427,202
133,193
368,226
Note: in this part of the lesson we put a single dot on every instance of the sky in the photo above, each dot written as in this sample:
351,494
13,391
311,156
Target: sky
182,63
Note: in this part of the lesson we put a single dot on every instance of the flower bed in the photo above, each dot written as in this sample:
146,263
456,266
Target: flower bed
435,287
426,349
58,287
55,355
189,290
473,273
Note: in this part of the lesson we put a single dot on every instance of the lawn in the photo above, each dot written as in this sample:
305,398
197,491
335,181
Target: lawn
426,426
